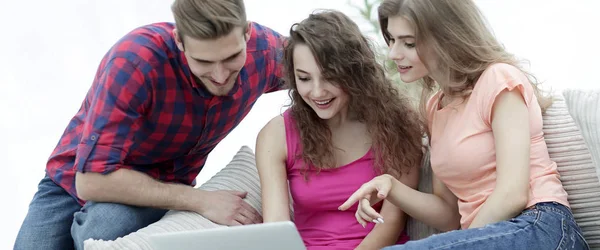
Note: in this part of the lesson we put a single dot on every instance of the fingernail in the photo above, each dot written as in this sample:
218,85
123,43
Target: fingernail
380,220
376,221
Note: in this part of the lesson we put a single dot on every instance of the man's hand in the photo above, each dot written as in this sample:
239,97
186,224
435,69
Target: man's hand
224,207
368,195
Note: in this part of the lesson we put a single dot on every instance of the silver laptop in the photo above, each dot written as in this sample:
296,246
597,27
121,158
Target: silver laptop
266,236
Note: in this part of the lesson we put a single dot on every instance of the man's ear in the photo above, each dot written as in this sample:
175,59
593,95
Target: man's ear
248,32
178,40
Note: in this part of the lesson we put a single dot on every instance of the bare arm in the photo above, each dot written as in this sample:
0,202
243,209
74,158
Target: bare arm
133,188
271,152
510,126
439,210
387,233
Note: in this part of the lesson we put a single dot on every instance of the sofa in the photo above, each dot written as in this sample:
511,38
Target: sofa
571,128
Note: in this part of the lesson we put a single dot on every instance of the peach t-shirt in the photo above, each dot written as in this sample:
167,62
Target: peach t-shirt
463,154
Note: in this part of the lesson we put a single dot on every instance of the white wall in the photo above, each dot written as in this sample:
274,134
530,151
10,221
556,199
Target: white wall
50,50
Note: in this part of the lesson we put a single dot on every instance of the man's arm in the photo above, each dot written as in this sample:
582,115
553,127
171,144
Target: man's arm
135,188
131,187
118,104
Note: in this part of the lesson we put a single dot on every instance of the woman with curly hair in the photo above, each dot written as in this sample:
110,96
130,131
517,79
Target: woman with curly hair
347,124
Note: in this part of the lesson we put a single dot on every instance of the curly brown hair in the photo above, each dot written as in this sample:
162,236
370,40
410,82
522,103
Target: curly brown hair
346,58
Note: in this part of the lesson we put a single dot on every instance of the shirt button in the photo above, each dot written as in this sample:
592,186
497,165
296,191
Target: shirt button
93,138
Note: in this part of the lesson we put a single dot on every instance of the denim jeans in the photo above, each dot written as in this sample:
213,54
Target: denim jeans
55,220
546,225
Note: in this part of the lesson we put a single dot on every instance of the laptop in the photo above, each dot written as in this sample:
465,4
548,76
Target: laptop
265,236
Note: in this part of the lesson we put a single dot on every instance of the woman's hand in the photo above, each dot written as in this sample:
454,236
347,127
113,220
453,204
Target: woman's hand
368,195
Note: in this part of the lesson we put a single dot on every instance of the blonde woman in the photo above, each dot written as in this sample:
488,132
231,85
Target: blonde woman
493,178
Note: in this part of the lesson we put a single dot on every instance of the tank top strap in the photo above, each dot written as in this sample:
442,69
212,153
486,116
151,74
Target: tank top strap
292,138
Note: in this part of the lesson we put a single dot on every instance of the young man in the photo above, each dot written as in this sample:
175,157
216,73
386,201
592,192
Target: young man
162,98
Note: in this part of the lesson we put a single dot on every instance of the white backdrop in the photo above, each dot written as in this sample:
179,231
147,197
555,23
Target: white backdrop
50,51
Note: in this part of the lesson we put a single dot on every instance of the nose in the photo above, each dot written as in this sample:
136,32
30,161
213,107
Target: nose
317,90
220,73
396,53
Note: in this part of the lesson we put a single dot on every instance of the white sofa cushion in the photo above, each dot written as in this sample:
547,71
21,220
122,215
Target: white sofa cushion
583,171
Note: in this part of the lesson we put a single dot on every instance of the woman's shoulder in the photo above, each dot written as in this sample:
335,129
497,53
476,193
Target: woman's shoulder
506,67
271,138
274,127
495,79
500,76
501,72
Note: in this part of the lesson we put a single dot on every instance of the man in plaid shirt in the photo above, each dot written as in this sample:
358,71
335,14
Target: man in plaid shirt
162,99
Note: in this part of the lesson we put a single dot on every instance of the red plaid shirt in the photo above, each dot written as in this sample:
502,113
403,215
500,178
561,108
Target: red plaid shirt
145,112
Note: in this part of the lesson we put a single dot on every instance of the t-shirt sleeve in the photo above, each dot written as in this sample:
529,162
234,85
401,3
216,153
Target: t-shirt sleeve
493,81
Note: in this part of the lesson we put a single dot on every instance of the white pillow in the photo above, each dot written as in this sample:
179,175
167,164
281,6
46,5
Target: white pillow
581,171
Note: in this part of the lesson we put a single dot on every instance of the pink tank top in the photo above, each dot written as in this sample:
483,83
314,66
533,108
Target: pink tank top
320,224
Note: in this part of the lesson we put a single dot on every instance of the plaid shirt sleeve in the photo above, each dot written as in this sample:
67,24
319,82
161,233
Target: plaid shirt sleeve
277,76
117,102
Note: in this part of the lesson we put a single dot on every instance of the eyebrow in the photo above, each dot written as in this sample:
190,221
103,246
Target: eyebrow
234,55
401,37
404,37
302,71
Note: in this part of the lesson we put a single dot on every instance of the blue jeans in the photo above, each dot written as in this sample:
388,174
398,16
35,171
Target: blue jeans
56,220
546,225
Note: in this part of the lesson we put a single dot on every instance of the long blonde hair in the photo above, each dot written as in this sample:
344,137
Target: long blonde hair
456,33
